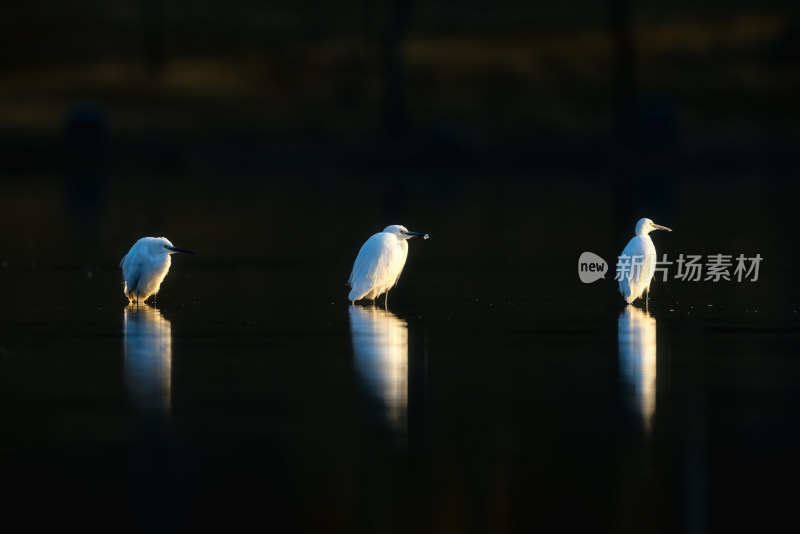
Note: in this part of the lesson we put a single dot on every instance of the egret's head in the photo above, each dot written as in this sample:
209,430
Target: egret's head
401,232
162,245
645,226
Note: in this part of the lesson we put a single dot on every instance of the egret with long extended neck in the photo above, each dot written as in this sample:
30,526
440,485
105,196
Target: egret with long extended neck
640,258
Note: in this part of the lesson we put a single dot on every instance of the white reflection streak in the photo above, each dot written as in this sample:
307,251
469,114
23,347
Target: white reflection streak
148,359
637,357
380,344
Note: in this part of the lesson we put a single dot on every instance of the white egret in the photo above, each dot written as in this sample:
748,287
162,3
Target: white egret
145,266
638,262
380,262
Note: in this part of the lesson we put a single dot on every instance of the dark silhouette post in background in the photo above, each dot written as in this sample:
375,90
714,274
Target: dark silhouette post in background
623,94
624,71
86,135
154,23
395,110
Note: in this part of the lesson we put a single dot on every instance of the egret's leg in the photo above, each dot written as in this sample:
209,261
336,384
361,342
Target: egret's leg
386,300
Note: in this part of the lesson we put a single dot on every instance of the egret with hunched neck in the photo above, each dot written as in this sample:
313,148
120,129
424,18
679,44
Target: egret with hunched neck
145,266
380,262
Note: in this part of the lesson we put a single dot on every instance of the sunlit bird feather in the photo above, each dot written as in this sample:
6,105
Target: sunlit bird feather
145,266
380,262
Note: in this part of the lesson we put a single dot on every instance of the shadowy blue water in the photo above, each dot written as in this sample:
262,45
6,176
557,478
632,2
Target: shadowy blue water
442,414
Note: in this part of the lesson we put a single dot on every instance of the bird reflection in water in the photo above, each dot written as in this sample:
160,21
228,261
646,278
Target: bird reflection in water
158,489
637,357
380,345
148,360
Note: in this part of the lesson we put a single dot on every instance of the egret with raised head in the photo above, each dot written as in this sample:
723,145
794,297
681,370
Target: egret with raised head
145,266
637,263
380,262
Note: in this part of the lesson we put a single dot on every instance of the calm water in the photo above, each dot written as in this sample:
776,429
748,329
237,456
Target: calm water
450,412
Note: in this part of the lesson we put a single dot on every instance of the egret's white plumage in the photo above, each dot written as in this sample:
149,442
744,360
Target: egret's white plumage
641,255
145,266
380,262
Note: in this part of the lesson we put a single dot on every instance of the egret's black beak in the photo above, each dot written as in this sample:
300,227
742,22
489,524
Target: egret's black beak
417,234
659,227
176,249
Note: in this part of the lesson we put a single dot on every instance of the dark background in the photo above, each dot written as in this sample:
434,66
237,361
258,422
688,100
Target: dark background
291,131
273,138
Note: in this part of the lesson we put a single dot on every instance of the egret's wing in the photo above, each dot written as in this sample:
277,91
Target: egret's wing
401,255
648,268
132,265
629,280
640,251
376,264
372,262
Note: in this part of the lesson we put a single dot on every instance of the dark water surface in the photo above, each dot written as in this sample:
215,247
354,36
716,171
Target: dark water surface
242,406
